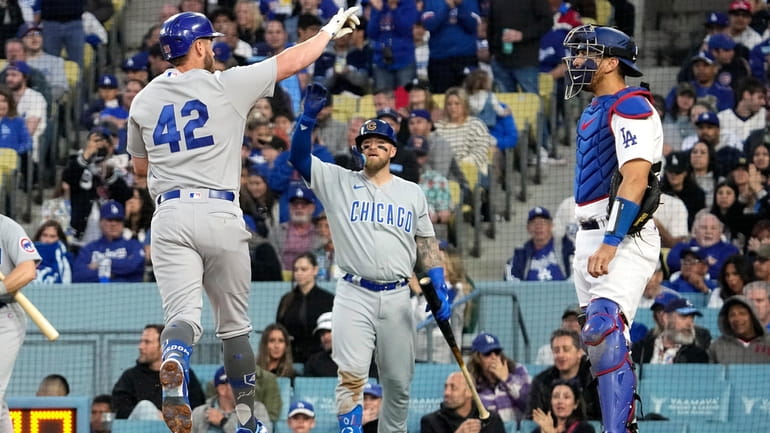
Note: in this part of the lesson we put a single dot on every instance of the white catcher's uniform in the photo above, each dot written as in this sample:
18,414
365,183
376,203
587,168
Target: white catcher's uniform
636,256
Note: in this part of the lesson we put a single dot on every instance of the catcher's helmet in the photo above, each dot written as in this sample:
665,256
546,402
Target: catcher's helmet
376,128
594,43
179,32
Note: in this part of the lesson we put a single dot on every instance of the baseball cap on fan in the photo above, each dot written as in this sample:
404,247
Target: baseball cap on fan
112,210
324,322
538,212
708,117
220,377
721,41
485,343
676,163
301,192
740,7
108,81
373,389
715,19
301,407
681,306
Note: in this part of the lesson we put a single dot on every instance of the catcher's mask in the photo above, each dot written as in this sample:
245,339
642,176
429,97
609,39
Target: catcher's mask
588,45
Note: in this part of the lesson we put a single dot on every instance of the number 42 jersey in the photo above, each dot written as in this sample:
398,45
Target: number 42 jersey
190,125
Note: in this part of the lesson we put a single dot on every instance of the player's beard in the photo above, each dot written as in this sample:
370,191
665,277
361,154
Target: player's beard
208,62
374,165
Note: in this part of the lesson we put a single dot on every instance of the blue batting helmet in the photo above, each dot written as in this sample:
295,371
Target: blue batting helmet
592,43
376,128
179,32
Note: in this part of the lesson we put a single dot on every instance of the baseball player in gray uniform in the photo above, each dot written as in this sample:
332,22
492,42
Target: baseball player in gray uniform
379,225
185,131
18,261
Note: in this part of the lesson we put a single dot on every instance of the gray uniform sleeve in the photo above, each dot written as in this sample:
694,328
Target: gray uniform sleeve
243,85
16,246
135,144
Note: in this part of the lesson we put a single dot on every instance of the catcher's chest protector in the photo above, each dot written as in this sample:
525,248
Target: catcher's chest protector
596,160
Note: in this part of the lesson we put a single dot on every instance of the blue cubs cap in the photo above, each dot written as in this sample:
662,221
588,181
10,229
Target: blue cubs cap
301,407
485,343
220,377
222,51
137,62
301,192
681,306
108,81
709,117
721,41
18,65
716,19
112,210
538,212
425,114
373,389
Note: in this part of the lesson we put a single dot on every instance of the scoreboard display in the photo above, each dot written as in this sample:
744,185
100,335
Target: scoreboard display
50,414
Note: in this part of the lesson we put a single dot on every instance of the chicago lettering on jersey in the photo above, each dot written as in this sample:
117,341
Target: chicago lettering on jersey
381,213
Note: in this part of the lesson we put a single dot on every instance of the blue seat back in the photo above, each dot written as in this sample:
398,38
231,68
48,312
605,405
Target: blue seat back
751,394
135,426
427,391
686,399
663,427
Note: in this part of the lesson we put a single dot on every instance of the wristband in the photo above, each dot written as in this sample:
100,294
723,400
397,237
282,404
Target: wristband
621,217
223,422
3,289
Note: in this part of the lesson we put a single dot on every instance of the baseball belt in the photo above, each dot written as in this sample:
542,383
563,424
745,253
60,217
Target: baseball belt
2,304
593,224
374,286
213,193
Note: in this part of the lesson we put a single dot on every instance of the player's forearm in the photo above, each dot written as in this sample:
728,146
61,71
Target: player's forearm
299,154
294,59
634,184
19,277
428,255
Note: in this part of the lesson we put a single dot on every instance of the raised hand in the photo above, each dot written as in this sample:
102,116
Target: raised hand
316,96
343,23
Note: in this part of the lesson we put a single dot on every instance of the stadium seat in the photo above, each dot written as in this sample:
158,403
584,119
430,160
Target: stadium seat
438,99
9,162
662,427
527,112
205,373
284,385
319,391
535,369
135,426
471,175
526,426
695,372
750,399
686,398
366,107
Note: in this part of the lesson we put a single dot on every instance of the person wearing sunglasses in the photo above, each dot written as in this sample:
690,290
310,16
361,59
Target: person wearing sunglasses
502,383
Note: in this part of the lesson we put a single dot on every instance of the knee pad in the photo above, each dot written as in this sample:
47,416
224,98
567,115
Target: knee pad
603,336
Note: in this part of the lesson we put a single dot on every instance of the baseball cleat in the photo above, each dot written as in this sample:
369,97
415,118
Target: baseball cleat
259,429
176,405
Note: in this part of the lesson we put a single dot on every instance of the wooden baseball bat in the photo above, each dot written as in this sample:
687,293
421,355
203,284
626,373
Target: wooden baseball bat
42,323
446,330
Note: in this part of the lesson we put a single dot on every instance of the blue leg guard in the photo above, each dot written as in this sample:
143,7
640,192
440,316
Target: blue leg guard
351,422
610,364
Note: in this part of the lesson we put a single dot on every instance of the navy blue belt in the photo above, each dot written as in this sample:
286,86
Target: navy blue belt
213,193
373,285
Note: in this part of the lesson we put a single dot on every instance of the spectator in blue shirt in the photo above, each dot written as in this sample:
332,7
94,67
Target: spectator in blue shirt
390,34
453,26
693,276
542,258
126,256
13,131
704,69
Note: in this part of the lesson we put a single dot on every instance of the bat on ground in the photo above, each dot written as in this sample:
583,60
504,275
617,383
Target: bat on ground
42,323
446,330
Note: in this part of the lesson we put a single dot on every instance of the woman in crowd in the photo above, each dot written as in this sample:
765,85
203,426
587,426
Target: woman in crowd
299,309
274,352
502,383
676,122
735,273
51,243
567,414
702,163
258,201
760,157
14,131
249,21
467,135
139,210
729,210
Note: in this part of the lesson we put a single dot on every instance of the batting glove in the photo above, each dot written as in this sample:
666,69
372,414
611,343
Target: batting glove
343,23
437,279
316,96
